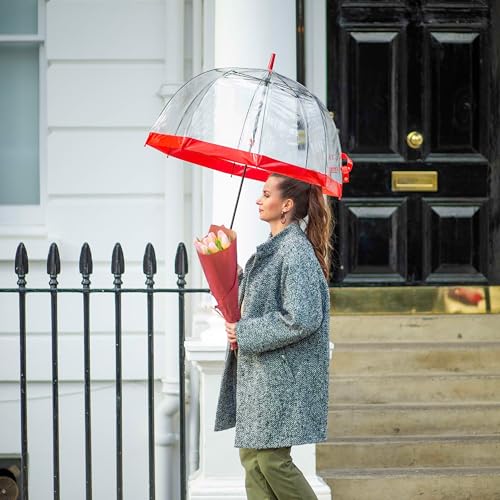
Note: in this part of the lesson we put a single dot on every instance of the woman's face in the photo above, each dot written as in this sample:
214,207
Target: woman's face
270,202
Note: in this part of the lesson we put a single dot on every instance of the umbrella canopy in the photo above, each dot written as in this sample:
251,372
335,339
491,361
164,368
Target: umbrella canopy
252,122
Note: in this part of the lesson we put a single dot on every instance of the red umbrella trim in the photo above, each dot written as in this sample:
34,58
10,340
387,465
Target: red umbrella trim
233,161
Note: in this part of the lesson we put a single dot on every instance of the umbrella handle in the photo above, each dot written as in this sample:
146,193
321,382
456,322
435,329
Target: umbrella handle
346,169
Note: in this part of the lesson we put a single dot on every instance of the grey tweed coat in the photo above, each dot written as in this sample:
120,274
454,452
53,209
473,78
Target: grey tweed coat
275,390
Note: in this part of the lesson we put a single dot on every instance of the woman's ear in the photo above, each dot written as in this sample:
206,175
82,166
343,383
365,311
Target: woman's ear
288,205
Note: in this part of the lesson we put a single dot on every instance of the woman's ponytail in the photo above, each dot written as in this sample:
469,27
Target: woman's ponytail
319,228
309,201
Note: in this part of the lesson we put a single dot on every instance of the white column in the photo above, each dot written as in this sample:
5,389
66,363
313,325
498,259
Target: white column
245,34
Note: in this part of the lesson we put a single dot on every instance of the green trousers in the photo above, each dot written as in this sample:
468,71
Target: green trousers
270,474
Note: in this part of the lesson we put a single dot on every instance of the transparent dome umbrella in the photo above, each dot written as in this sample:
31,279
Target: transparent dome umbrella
251,123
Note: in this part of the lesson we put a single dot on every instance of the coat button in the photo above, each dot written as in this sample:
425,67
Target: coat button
283,356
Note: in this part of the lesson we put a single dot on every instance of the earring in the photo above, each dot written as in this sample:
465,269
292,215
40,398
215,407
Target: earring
283,217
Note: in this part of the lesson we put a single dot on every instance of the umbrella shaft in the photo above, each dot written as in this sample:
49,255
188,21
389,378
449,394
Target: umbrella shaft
238,198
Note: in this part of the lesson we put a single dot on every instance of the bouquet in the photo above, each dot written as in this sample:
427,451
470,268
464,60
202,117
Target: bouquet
217,254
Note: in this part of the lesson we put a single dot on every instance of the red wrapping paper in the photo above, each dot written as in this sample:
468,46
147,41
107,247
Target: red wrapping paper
222,276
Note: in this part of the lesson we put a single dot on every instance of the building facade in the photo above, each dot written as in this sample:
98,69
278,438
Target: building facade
82,82
414,91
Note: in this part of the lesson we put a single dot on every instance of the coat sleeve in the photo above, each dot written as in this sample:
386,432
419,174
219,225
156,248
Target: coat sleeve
300,315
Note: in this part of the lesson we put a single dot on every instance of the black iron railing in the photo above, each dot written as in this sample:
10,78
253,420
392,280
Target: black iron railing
117,269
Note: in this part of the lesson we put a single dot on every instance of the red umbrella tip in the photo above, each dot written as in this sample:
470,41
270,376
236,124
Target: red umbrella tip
271,62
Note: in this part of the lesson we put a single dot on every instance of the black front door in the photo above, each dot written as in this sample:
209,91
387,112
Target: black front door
413,86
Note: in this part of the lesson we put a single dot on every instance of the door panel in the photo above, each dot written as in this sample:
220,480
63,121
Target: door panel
455,242
374,96
373,240
455,90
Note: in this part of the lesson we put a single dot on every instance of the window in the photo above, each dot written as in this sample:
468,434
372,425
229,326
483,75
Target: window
21,46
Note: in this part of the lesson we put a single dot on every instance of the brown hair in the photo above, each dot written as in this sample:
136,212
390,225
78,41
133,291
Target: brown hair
309,201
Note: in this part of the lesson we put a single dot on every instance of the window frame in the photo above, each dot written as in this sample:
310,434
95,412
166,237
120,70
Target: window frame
32,215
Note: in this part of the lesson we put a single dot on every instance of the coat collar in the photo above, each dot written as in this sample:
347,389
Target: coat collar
272,243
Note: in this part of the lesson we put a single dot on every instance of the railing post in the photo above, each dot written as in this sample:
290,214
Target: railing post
53,269
149,269
181,269
117,269
21,269
86,268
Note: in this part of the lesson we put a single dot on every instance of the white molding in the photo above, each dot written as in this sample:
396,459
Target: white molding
197,27
35,239
208,35
167,90
315,47
22,38
43,117
103,61
14,231
206,488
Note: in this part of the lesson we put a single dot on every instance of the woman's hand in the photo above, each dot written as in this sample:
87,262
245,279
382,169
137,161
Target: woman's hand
231,331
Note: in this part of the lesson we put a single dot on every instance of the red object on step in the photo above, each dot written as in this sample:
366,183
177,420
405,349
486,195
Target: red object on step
466,296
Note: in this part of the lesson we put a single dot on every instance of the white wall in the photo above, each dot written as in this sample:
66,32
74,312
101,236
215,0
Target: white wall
105,65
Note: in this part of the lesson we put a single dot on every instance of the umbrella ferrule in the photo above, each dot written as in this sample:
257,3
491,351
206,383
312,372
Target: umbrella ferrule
271,62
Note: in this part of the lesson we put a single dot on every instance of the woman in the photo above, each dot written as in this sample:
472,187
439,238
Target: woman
274,388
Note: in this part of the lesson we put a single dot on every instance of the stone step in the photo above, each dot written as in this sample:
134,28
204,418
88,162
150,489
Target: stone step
410,419
365,359
414,389
412,451
408,328
413,484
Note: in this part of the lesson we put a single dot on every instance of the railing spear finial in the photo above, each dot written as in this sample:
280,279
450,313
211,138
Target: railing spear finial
117,263
53,264
181,262
149,264
21,264
86,264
